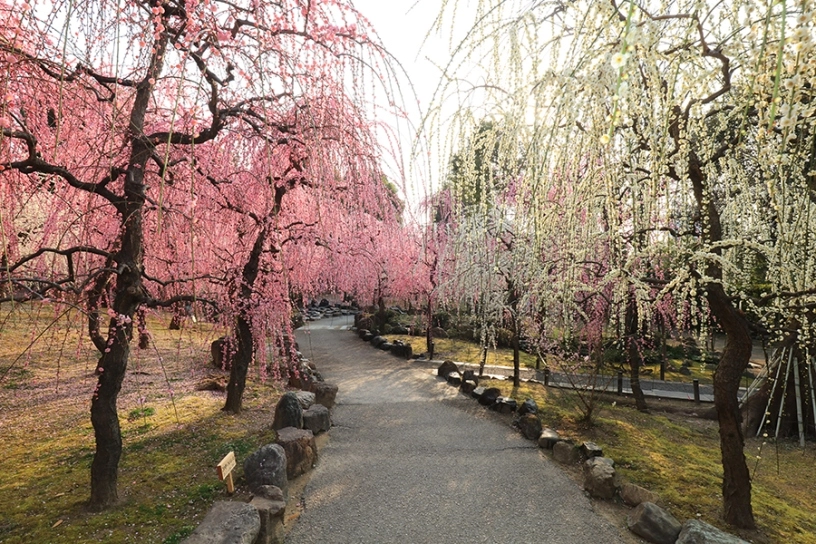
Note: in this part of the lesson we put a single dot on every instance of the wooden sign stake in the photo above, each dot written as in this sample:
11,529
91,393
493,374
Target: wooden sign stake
224,469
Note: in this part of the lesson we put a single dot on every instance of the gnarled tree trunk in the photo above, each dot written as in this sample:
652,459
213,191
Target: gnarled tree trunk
128,295
736,487
736,354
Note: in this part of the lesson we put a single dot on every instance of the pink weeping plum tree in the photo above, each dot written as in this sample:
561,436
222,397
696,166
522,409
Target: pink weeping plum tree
137,136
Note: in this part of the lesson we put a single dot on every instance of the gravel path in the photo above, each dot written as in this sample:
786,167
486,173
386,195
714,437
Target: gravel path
411,461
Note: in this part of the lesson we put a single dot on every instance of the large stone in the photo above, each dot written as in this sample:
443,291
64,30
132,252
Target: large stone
325,394
446,368
267,466
599,477
288,412
651,522
271,492
220,351
469,375
362,332
505,405
305,398
529,406
367,336
489,396
227,522
386,346
304,377
364,322
439,332
633,494
402,349
699,532
467,387
300,448
530,426
317,419
478,392
271,508
377,341
591,449
454,378
548,438
566,453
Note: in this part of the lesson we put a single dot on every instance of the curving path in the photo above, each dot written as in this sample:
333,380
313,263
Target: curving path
409,460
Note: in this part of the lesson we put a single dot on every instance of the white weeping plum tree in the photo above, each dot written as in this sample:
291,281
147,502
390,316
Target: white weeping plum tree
671,143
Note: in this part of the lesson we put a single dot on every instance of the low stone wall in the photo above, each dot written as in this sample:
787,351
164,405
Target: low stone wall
299,416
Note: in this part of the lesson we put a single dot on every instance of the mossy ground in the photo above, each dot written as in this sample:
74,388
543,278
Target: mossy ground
675,453
173,435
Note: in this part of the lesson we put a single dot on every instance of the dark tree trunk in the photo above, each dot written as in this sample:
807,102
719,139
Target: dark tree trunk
633,354
516,354
240,366
483,360
128,295
244,349
429,343
175,322
736,487
245,344
737,352
104,416
513,302
382,318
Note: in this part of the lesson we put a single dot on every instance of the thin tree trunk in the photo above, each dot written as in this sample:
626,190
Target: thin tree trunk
513,303
516,354
240,365
633,354
381,317
429,330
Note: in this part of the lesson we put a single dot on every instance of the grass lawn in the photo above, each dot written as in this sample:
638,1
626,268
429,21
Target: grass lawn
173,435
464,350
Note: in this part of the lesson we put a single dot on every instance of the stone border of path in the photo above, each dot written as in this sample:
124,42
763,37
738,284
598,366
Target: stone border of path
299,417
648,520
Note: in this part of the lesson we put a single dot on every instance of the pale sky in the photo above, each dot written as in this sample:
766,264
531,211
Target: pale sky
403,25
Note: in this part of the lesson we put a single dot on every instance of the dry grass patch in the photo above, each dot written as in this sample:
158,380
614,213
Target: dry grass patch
464,350
173,435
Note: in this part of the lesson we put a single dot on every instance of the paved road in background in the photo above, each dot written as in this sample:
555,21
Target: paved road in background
409,460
